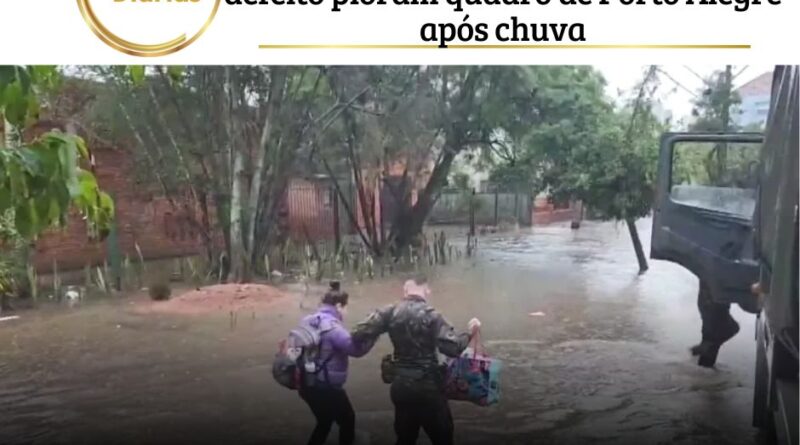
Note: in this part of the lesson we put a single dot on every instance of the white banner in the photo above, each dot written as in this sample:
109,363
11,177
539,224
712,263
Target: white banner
397,31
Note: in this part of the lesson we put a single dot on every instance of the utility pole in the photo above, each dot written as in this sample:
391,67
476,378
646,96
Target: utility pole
726,101
725,117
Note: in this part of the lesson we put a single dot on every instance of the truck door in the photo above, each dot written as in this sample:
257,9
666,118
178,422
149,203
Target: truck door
703,212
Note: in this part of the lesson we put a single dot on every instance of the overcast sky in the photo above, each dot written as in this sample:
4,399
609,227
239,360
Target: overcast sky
672,94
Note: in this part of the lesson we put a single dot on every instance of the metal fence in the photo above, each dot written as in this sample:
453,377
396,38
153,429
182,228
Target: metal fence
454,207
313,211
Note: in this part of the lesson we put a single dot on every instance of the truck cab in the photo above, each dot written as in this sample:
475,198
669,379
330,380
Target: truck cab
726,208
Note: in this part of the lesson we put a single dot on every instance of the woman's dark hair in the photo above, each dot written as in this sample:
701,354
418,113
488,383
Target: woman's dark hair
334,297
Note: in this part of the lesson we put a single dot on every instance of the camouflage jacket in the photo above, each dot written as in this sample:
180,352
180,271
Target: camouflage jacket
416,330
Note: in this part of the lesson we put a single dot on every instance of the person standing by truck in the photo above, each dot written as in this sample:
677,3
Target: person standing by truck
718,326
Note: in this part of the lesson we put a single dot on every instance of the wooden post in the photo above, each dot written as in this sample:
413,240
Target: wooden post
337,229
496,205
472,214
114,255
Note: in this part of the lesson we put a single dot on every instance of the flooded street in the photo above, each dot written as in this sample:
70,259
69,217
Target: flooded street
592,353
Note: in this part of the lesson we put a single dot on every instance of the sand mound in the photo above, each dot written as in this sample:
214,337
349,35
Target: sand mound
217,298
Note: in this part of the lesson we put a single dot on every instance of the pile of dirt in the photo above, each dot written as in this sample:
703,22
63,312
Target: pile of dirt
217,298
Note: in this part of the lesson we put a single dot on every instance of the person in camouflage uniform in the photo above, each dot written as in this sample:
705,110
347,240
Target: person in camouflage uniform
418,333
718,327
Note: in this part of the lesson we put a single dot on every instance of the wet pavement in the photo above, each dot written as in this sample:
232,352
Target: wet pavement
592,353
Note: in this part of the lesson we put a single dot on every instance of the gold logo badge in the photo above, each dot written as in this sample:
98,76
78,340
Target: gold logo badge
143,20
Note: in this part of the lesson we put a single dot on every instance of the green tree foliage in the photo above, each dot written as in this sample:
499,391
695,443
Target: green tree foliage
40,180
559,116
475,108
233,137
615,174
715,102
219,142
578,146
617,177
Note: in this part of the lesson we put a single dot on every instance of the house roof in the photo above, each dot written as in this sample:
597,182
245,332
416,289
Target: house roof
761,85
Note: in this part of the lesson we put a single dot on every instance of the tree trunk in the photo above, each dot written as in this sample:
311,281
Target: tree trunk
277,83
637,245
415,219
351,213
222,260
366,198
172,140
239,258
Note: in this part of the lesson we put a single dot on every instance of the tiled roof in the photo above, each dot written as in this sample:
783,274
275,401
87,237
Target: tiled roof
758,86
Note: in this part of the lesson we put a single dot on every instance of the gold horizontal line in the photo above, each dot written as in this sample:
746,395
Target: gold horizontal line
348,46
509,46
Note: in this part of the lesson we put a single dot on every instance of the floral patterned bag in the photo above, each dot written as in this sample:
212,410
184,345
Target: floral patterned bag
473,377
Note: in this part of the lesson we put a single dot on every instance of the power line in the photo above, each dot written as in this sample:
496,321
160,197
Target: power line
703,79
740,72
706,81
662,71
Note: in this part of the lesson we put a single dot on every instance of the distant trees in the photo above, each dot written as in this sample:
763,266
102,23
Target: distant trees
225,138
228,139
616,175
577,146
714,109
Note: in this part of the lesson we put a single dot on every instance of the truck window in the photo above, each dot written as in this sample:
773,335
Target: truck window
716,176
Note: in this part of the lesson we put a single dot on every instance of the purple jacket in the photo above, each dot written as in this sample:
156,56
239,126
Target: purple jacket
336,346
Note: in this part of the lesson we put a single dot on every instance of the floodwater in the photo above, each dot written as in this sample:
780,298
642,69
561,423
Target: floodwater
592,353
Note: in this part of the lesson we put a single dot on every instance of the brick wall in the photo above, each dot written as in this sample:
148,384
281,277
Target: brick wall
545,212
142,218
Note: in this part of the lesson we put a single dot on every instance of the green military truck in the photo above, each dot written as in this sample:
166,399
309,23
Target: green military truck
726,208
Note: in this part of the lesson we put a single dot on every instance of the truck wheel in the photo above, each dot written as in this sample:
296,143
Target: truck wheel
762,416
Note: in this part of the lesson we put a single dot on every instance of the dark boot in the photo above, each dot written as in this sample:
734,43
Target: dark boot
708,350
731,329
698,348
708,357
718,327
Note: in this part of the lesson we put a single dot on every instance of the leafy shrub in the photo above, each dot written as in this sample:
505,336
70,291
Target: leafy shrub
13,273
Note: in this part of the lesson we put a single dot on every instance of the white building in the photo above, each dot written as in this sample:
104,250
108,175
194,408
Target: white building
755,97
